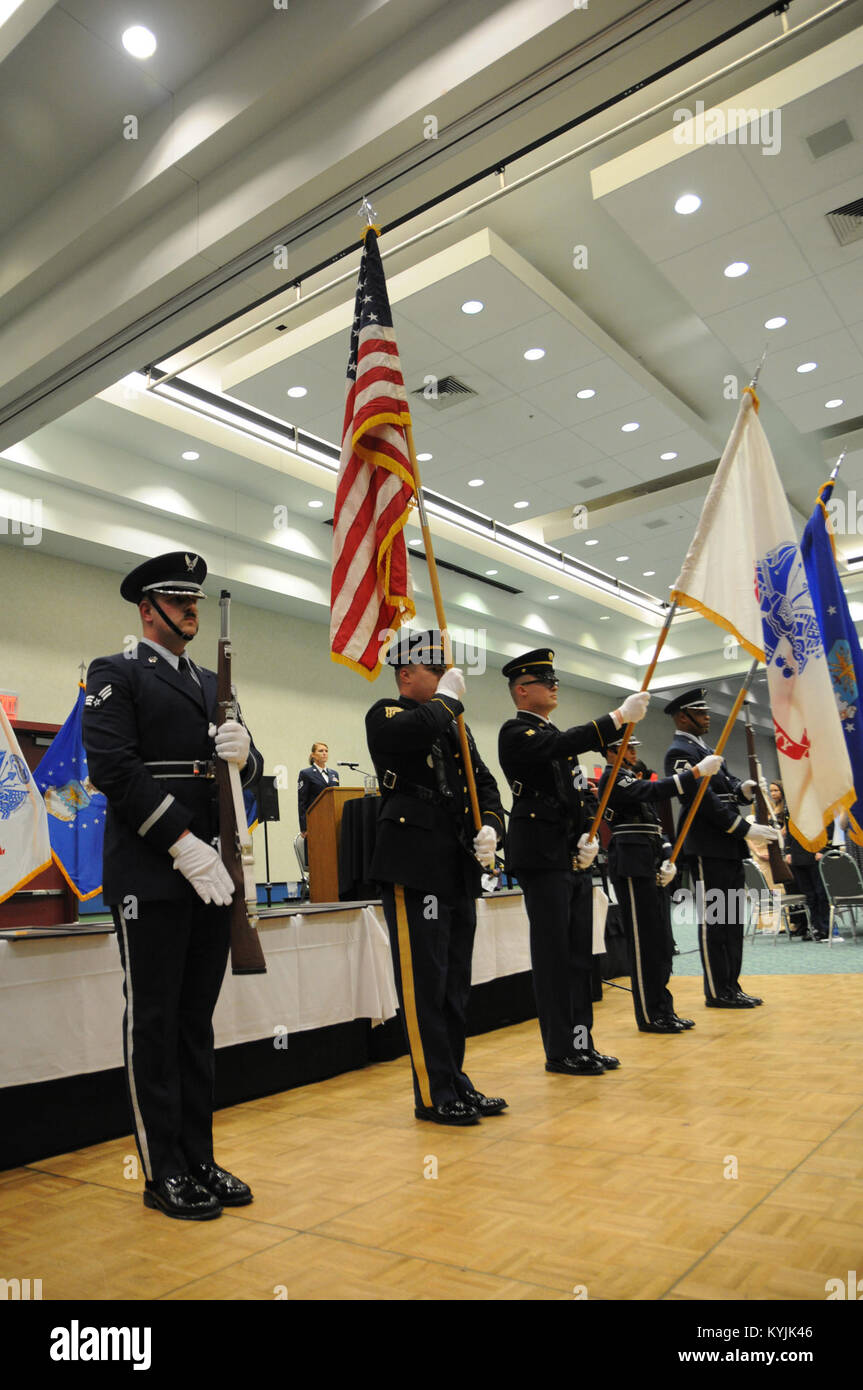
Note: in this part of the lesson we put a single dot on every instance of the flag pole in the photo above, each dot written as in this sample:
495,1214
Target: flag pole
467,761
723,739
627,733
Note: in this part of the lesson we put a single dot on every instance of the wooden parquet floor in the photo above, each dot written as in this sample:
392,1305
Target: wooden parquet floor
726,1163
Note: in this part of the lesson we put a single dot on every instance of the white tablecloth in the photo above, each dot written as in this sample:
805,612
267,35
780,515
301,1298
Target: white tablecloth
61,999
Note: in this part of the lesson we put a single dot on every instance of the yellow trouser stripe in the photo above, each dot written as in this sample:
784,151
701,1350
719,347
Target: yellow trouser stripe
406,966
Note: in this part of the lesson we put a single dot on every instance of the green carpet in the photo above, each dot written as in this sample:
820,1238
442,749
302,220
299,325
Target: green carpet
769,955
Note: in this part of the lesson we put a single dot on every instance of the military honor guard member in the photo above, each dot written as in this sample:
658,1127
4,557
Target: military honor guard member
715,849
548,851
313,780
148,729
640,871
428,858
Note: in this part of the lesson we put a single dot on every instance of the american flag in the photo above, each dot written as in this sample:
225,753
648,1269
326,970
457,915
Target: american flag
371,591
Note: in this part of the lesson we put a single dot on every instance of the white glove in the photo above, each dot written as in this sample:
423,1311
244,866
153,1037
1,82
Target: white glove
665,873
451,683
762,834
747,789
709,765
202,866
484,846
232,742
587,851
633,708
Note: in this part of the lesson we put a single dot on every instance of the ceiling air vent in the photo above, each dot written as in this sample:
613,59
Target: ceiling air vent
847,222
653,525
587,482
443,392
830,139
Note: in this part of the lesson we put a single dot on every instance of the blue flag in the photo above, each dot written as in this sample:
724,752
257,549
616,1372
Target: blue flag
76,810
841,643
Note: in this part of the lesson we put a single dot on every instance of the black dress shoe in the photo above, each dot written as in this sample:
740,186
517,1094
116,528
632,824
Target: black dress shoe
230,1191
661,1025
724,1001
608,1063
485,1105
684,1022
577,1064
182,1197
452,1112
753,998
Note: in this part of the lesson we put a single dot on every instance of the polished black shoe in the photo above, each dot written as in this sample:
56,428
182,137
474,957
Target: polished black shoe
661,1025
608,1063
452,1112
728,1001
577,1064
485,1105
684,1022
753,998
182,1197
230,1191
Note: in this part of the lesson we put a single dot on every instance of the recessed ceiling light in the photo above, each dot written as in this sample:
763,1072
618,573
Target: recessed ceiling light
519,505
807,367
735,269
534,354
417,540
476,482
604,618
490,572
298,391
687,203
315,503
778,322
553,597
667,457
424,458
472,306
586,394
140,42
833,405
591,542
620,558
627,429
648,573
190,454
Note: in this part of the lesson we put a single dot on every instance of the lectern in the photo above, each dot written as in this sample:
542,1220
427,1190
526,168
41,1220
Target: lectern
323,824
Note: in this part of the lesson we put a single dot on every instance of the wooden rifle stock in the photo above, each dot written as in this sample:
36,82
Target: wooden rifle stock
247,958
763,813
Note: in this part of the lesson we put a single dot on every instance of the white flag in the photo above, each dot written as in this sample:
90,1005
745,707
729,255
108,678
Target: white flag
25,845
744,571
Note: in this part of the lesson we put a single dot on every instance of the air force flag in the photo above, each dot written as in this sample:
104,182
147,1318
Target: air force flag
841,643
76,810
25,849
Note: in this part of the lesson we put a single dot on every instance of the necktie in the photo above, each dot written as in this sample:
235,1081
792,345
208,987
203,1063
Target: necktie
186,670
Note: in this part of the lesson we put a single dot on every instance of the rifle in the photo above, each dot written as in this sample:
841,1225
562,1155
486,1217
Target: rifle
235,839
764,813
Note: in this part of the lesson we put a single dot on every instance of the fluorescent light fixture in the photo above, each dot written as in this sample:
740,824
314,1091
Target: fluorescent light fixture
736,269
139,42
534,354
687,203
777,322
472,306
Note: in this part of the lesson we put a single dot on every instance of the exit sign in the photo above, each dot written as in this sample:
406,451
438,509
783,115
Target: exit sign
9,703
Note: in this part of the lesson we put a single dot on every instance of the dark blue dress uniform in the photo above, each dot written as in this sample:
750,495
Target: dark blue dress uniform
714,850
549,814
636,850
145,730
430,879
310,784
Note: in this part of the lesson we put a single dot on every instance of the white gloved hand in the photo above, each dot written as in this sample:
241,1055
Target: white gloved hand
762,834
484,846
709,765
633,708
665,873
202,866
232,742
765,791
587,851
451,683
747,789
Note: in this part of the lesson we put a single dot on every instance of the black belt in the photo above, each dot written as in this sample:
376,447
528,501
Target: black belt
520,791
635,828
199,767
392,782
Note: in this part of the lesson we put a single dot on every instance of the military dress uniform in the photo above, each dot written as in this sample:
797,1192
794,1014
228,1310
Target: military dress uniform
145,729
430,880
636,850
310,783
714,849
549,814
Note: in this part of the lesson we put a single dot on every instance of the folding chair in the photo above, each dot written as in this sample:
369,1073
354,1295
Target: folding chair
789,902
300,851
843,886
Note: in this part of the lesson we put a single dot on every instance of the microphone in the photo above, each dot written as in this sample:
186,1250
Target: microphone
352,766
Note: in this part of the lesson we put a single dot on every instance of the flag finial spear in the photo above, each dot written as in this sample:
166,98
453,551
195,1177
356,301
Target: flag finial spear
366,210
837,465
754,382
83,666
